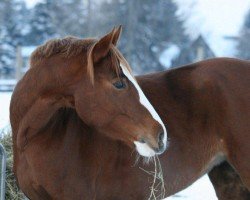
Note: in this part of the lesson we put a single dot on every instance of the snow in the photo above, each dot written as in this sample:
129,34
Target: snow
200,190
26,51
4,109
32,3
7,84
169,54
214,19
7,81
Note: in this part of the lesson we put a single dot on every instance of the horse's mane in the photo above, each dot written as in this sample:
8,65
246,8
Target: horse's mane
66,47
69,47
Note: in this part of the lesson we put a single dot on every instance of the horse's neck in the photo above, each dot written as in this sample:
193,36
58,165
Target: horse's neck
104,150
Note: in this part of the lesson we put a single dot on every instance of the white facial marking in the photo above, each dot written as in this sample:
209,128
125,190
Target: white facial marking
145,102
144,150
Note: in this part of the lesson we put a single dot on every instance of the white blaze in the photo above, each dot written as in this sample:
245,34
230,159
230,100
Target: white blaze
143,148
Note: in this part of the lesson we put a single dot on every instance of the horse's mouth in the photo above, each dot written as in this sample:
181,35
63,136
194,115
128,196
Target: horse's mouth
145,150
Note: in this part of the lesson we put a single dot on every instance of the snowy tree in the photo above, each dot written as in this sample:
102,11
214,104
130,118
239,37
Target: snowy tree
41,25
148,25
70,17
11,32
244,40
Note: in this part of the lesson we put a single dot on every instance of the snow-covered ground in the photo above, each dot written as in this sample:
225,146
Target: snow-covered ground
4,109
200,190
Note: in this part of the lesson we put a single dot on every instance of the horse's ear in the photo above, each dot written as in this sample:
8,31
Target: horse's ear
103,46
117,34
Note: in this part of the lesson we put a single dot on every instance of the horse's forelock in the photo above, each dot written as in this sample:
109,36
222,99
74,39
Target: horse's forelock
120,58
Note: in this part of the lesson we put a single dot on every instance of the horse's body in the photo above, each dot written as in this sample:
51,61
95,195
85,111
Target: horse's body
205,107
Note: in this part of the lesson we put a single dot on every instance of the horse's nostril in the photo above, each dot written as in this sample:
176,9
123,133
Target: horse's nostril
161,136
161,145
160,148
142,141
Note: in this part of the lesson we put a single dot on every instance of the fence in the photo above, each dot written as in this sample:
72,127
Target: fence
21,65
7,85
3,172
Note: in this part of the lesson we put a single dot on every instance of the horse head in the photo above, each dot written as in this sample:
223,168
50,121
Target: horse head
99,85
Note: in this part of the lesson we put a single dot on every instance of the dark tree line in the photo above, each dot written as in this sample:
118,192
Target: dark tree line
148,26
244,39
11,31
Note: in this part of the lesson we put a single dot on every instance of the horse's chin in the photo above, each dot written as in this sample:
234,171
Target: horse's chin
144,149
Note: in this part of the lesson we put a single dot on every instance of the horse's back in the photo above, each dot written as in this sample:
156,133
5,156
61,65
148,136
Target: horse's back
229,81
217,92
219,86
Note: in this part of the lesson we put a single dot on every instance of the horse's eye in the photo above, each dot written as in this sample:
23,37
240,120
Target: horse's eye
119,84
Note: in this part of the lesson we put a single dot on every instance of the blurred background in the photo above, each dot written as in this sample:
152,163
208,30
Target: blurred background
157,34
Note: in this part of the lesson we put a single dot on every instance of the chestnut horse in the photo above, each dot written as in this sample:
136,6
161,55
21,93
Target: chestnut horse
78,112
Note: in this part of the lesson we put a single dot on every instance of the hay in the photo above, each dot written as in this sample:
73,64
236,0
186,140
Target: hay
157,188
12,192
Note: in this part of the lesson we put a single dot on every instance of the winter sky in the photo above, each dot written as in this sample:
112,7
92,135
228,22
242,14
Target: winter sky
214,19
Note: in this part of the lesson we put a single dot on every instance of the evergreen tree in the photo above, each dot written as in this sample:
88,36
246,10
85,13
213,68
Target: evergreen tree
147,25
11,32
244,40
41,24
69,17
